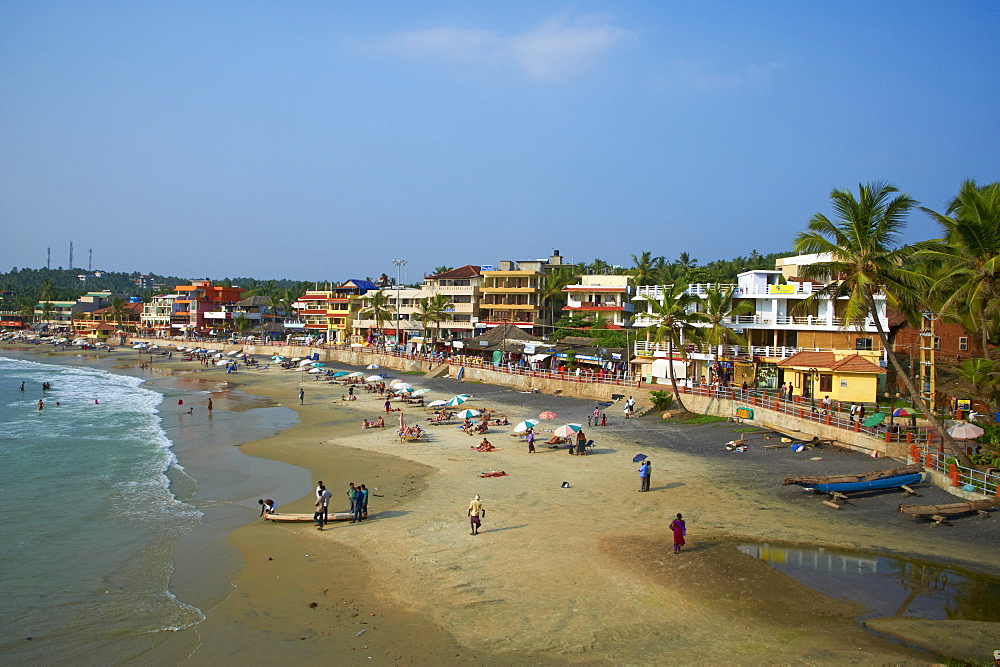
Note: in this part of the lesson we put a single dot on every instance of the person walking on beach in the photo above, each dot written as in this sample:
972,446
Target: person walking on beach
476,511
645,470
322,508
581,443
531,441
388,406
302,396
679,529
209,403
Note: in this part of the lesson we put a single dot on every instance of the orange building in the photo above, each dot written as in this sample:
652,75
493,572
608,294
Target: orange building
198,305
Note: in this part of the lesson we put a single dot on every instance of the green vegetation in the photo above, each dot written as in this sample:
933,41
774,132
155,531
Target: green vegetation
697,419
662,400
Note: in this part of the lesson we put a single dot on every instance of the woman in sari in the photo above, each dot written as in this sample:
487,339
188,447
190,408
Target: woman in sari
679,529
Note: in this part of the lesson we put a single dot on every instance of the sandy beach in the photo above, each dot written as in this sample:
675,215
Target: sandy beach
578,574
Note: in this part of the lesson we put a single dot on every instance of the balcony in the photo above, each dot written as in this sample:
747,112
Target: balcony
792,289
798,322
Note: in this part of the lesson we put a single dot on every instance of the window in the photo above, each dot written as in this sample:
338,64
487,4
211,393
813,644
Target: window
963,343
826,382
863,344
937,342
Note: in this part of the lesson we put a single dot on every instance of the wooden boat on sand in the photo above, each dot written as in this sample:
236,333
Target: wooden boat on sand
814,481
934,511
303,518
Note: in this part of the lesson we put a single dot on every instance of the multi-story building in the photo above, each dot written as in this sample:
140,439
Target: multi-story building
191,308
515,292
62,313
780,324
602,297
158,315
460,286
330,313
104,322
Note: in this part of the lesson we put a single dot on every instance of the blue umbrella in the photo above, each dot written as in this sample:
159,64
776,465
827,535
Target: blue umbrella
340,374
639,457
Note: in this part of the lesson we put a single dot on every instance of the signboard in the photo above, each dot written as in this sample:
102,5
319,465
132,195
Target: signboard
487,267
781,289
529,348
964,404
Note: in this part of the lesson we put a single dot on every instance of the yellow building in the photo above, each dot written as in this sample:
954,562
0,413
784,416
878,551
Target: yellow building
842,377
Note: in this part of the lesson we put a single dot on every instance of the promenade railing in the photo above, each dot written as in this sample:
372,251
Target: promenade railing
933,457
805,409
584,377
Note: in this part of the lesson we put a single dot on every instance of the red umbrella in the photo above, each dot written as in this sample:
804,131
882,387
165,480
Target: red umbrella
547,415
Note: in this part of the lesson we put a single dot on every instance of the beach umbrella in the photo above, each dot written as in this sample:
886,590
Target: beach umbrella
402,386
222,363
548,415
455,400
437,404
901,412
467,414
304,362
567,430
296,358
277,357
372,366
317,370
356,374
874,419
421,392
965,431
373,378
639,457
393,383
340,374
525,425
317,364
218,355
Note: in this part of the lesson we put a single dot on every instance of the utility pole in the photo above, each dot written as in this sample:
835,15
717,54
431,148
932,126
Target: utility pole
927,372
399,264
48,258
71,255
90,260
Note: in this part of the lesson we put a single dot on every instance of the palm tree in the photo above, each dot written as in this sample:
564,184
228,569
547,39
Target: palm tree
984,377
552,293
377,308
645,268
26,308
867,261
442,269
718,305
435,310
971,258
672,322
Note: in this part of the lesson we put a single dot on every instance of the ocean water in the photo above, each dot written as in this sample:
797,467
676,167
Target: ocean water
89,523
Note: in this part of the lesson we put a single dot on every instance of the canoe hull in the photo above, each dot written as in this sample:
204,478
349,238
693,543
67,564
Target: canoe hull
303,518
884,483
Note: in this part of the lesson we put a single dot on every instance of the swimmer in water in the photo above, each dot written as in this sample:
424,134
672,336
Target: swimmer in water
41,405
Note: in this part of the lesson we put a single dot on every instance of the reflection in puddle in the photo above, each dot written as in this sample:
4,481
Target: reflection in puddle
887,586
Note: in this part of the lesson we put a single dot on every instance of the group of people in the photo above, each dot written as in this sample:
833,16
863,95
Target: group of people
375,423
410,432
357,495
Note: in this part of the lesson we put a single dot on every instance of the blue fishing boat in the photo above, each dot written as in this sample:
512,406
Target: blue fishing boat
884,483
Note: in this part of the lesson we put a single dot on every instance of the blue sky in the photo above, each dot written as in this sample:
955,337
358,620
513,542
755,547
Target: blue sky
321,140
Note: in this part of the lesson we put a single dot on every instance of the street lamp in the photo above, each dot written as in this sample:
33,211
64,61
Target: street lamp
812,387
626,325
400,263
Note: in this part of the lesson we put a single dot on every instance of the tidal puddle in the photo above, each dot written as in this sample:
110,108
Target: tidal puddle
887,586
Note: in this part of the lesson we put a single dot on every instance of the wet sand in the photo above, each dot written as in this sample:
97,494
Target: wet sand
583,574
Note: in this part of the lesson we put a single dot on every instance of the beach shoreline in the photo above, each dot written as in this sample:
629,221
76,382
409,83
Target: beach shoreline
590,598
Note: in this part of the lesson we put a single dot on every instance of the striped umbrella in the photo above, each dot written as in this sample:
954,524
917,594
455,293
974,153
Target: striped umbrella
525,425
467,414
567,430
456,400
